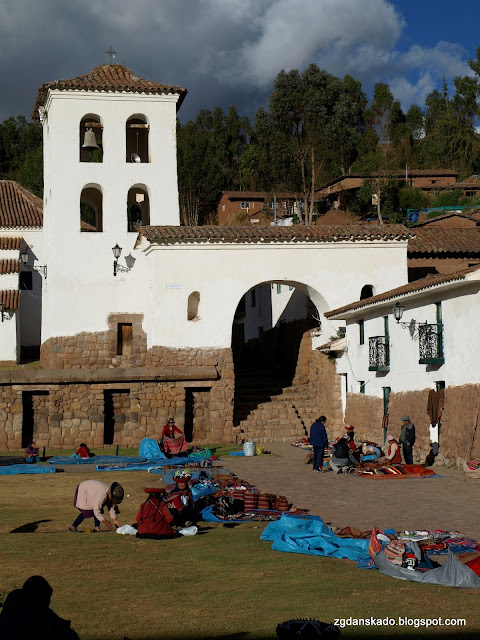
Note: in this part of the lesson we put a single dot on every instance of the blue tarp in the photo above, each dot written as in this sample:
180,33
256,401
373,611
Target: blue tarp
197,474
96,460
208,516
150,449
16,469
300,534
168,461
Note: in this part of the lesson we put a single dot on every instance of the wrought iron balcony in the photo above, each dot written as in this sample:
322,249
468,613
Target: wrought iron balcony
378,354
430,341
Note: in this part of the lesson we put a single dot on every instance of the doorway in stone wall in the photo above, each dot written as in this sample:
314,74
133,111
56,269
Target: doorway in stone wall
197,414
28,422
115,407
268,326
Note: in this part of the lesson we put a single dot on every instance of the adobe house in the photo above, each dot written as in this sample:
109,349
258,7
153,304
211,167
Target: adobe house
254,207
342,190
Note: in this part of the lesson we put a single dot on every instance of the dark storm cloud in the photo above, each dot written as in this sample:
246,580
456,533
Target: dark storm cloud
223,51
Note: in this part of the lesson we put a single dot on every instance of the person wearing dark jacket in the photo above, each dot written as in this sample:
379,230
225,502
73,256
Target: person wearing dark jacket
340,455
407,439
319,440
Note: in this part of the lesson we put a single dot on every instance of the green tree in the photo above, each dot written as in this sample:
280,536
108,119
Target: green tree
18,137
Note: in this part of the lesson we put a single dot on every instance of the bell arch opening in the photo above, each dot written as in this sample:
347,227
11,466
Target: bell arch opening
138,208
91,138
91,209
137,134
269,326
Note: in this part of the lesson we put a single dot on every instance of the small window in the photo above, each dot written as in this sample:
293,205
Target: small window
362,386
279,288
192,307
124,339
290,288
440,385
244,205
361,332
25,281
366,292
253,298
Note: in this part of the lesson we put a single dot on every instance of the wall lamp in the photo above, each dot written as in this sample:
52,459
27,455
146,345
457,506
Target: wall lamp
2,309
24,260
413,326
129,260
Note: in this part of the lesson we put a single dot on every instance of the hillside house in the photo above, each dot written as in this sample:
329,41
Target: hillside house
254,207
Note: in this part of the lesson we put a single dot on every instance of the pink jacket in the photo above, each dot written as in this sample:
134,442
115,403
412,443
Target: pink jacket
92,495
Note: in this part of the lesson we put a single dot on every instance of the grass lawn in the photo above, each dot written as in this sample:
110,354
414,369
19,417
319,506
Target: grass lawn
222,583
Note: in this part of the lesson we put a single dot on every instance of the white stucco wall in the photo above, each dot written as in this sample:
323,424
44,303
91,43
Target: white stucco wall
81,290
461,342
329,273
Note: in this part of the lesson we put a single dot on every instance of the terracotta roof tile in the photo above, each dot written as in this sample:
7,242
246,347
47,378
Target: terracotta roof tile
19,207
258,233
436,240
9,266
107,77
257,195
412,287
445,216
412,173
10,299
10,244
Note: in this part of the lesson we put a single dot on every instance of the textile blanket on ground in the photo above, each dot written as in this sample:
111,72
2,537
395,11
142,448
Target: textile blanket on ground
395,471
96,460
153,466
255,515
452,574
17,469
150,449
311,536
197,474
6,460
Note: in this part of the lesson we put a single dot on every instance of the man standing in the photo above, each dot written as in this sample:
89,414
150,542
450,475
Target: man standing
319,440
407,439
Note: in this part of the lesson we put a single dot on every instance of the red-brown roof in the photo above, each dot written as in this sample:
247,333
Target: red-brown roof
412,287
445,240
411,173
10,244
445,216
9,266
107,77
19,207
260,233
257,195
10,298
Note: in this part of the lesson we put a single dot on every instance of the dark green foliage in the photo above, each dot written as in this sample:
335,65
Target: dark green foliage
412,198
446,198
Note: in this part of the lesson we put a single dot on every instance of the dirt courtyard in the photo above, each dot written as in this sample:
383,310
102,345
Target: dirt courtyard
449,502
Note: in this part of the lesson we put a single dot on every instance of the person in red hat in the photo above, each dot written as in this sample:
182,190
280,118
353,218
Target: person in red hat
179,499
350,436
393,451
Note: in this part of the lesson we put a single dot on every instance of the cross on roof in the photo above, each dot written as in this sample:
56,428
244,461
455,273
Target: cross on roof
111,55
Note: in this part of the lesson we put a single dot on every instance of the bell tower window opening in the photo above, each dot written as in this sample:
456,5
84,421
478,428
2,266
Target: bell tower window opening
138,208
137,134
91,213
91,139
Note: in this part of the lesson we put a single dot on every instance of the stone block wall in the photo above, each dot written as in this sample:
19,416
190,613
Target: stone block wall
365,413
459,432
222,389
96,350
326,388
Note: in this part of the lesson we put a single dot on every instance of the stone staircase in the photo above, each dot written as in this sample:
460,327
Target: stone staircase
283,417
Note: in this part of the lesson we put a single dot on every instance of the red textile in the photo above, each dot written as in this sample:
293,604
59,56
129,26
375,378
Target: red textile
175,445
83,452
151,517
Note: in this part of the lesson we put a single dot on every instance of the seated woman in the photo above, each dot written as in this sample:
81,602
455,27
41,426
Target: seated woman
393,455
84,452
169,442
154,518
350,437
178,499
340,455
31,453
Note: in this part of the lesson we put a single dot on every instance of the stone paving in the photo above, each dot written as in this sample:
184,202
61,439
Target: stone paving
449,502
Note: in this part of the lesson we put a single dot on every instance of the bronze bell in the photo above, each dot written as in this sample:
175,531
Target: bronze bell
90,142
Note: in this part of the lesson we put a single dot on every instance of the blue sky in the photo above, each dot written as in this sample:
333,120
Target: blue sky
230,51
